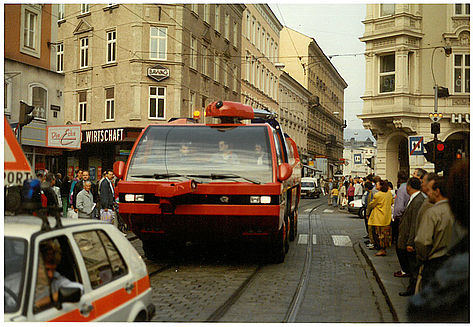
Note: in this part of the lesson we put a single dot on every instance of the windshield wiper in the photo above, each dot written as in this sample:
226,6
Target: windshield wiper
159,176
225,176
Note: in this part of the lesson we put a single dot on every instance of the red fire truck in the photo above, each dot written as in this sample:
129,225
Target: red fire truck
188,181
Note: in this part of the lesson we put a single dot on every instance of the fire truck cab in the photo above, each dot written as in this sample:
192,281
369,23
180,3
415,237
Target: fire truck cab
188,181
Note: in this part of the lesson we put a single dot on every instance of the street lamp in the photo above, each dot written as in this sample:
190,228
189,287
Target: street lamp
443,90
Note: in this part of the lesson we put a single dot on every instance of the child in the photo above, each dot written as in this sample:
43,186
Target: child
334,196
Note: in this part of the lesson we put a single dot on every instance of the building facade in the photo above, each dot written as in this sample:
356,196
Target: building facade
260,47
30,76
305,61
130,65
407,53
357,155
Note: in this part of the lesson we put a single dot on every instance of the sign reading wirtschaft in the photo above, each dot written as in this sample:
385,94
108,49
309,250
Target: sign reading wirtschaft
104,135
65,136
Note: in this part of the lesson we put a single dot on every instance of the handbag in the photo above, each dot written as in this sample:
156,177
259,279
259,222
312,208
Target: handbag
72,214
106,216
344,202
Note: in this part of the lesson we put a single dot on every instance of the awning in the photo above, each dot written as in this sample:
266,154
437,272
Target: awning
311,168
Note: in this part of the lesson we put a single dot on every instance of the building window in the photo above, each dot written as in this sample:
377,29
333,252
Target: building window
192,104
248,26
110,103
257,76
276,52
253,71
253,29
194,8
258,37
263,41
217,68
193,59
84,52
60,58
217,18
235,34
207,13
7,98
235,81
157,102
84,8
29,30
111,46
387,73
462,9
248,66
158,43
39,101
462,73
205,60
227,26
387,9
82,107
225,75
61,12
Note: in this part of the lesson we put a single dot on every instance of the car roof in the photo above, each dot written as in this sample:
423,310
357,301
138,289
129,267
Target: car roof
25,225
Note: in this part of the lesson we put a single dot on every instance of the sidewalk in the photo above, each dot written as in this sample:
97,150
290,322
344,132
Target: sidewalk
383,269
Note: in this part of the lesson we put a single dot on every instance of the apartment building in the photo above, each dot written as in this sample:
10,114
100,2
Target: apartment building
305,61
30,76
130,65
407,52
260,46
357,155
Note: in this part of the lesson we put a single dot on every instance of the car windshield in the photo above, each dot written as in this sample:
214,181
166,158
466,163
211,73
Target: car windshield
14,266
205,153
307,184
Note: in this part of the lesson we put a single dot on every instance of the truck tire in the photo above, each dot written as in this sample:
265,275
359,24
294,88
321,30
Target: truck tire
278,247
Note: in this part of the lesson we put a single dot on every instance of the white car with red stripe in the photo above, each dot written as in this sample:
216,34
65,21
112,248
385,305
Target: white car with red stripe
113,280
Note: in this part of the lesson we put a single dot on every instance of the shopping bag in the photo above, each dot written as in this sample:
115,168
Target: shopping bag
344,202
106,215
72,214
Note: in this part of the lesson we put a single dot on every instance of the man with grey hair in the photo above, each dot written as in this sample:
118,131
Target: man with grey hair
85,201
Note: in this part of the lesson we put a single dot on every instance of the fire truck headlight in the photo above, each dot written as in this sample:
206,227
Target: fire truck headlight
266,199
129,197
139,197
255,199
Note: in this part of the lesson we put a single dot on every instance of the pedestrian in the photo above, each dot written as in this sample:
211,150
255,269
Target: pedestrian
342,195
77,178
358,194
80,185
380,217
335,196
47,187
447,297
64,188
419,173
400,203
107,198
85,201
329,188
350,192
368,197
434,232
405,244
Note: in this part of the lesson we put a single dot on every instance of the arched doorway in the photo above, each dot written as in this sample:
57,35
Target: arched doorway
397,156
457,146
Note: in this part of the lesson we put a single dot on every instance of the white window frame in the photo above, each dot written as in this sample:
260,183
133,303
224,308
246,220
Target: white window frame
205,60
82,109
463,67
157,38
61,12
248,26
30,43
111,46
84,8
218,15
109,106
39,114
464,7
193,58
207,13
227,26
385,74
157,97
384,10
253,30
235,34
84,52
60,57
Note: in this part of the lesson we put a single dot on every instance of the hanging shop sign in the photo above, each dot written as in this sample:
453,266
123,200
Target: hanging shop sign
65,136
158,73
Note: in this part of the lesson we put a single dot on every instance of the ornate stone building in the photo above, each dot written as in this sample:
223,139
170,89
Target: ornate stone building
407,53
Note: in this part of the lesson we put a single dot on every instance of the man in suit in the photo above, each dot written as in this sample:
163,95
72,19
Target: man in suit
407,225
107,193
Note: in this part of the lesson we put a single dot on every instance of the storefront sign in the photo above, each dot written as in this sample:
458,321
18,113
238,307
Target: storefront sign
158,73
460,118
104,135
65,136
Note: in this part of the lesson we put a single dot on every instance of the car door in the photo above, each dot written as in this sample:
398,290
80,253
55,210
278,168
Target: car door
110,288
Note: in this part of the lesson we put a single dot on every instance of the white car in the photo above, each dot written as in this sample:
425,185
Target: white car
107,279
356,207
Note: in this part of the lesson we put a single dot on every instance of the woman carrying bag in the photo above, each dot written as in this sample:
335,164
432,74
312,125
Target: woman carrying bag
380,218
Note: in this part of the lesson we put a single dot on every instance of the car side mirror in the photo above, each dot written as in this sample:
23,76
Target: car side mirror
68,294
119,169
285,171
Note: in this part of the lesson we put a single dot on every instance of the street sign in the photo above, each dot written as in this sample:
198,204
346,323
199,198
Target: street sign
357,158
416,145
17,167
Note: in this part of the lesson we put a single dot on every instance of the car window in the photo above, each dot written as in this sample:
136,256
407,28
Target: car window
14,272
102,258
57,267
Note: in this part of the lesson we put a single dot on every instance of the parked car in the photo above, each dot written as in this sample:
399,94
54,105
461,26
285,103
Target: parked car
356,207
98,274
310,187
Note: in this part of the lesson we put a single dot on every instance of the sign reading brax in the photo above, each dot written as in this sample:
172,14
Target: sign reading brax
103,135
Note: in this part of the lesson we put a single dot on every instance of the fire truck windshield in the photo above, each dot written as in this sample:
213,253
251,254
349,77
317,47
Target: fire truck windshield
211,154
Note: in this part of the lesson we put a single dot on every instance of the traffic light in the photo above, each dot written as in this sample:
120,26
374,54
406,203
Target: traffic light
442,92
435,128
26,114
440,156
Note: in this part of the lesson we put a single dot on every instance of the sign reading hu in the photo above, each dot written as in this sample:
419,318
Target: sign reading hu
158,73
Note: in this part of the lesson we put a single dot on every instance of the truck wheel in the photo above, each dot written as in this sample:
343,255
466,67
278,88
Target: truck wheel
293,230
150,249
278,248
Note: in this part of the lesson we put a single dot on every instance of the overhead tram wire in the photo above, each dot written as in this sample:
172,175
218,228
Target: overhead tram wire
290,37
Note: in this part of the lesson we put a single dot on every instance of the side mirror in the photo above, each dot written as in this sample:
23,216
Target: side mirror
119,169
68,294
285,171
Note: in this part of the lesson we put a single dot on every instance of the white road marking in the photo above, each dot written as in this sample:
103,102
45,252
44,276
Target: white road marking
303,239
314,239
308,210
328,210
341,240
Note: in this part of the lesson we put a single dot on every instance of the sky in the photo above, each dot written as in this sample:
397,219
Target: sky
336,28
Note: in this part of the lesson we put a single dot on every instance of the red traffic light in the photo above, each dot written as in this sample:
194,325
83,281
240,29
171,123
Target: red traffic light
440,147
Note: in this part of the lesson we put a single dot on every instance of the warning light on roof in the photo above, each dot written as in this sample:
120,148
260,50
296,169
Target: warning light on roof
196,114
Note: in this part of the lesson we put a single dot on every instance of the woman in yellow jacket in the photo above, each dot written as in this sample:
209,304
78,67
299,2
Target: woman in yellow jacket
380,217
